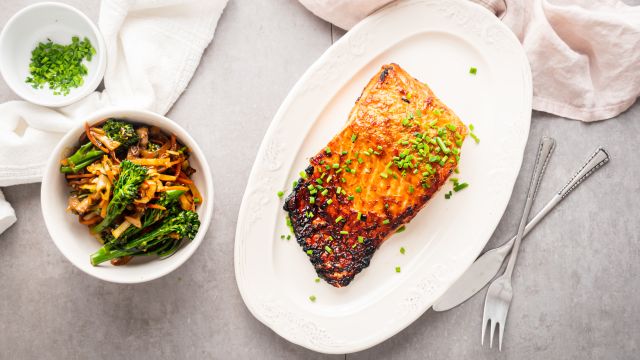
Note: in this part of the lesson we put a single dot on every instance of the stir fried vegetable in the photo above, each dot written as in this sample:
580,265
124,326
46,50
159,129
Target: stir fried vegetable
131,185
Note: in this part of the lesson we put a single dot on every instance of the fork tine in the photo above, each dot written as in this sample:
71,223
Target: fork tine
493,330
501,331
484,326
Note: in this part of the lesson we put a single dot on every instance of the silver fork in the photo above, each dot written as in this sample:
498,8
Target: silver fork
500,293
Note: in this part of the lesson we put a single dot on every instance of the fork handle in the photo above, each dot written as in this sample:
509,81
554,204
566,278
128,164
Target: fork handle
596,161
545,150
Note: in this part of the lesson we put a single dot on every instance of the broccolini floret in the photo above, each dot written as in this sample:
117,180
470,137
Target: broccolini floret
120,131
124,191
163,240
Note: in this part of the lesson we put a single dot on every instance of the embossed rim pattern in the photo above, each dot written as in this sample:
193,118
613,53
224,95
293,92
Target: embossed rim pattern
308,98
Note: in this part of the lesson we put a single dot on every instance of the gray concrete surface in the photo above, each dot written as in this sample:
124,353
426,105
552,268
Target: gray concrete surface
577,284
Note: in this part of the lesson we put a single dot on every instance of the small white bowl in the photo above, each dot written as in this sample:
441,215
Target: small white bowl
35,24
74,240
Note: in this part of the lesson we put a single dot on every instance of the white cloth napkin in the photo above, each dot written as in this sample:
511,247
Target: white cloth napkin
153,49
584,54
7,215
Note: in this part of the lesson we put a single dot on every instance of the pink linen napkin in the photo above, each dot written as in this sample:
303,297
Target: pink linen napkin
584,54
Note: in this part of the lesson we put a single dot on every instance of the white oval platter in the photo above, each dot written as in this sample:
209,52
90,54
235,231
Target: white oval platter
437,42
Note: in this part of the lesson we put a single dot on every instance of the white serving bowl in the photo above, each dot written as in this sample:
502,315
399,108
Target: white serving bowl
74,239
37,23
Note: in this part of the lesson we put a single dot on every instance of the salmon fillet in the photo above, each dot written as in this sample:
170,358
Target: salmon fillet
399,146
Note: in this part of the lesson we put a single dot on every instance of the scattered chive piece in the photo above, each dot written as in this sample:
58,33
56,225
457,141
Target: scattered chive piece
460,187
397,269
386,221
339,218
402,251
444,147
451,127
360,239
350,197
303,174
312,200
295,183
359,215
288,237
358,189
335,166
327,249
401,229
344,232
411,189
319,181
312,298
317,280
282,237
325,192
354,137
280,193
473,70
329,201
475,138
471,127
384,175
456,171
327,150
309,252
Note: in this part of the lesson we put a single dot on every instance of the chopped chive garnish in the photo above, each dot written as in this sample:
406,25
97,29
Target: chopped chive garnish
295,183
338,190
312,200
339,218
358,189
384,175
361,239
335,166
317,280
280,193
359,215
460,187
329,201
328,249
350,197
473,70
324,192
444,147
343,180
456,171
397,269
354,137
401,229
329,178
386,221
344,232
288,237
402,251
327,150
303,174
309,252
282,237
475,138
312,298
471,127
451,127
319,181
411,189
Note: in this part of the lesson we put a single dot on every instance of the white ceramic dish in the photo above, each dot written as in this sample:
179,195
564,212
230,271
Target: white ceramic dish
37,23
437,42
74,240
